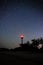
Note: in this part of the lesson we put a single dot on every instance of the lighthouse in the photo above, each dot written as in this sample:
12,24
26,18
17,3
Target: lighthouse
22,36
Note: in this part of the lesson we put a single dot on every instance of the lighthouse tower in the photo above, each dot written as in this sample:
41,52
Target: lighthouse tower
22,36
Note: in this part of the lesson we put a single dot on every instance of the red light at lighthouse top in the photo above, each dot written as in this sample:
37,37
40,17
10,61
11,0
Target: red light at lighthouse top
22,36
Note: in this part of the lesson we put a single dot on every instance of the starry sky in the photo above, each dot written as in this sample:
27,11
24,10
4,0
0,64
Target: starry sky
20,17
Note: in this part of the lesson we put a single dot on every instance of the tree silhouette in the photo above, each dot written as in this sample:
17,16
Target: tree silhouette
28,43
41,40
37,43
34,42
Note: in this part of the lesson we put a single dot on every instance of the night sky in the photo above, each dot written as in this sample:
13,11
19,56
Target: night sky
20,17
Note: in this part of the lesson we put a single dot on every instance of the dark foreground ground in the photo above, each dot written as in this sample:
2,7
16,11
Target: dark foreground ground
21,58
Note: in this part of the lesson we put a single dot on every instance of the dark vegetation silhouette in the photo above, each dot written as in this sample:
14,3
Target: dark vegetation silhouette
30,47
28,53
35,46
4,50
